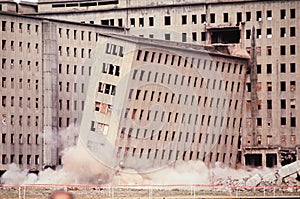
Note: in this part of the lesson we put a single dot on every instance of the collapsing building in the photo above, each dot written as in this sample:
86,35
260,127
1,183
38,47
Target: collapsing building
151,103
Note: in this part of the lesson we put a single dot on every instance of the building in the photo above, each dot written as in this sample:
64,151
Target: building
270,123
151,103
45,67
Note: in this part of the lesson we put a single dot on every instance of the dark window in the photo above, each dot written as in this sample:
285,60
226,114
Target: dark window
292,49
259,121
225,17
184,38
194,36
293,13
258,15
203,18
183,19
167,20
248,34
203,36
282,32
194,19
258,68
141,22
282,14
212,18
283,104
269,104
282,86
269,14
269,68
293,122
132,22
248,16
292,67
282,121
292,31
151,21
282,68
282,50
238,18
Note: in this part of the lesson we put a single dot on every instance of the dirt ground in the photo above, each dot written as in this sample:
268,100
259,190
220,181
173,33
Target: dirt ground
146,192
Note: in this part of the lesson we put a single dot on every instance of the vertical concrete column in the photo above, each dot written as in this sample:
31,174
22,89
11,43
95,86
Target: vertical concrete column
50,97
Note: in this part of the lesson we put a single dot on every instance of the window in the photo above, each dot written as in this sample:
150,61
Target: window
225,17
184,39
282,50
258,33
258,15
269,14
151,21
282,68
269,50
3,25
141,22
292,86
248,16
194,19
283,104
258,66
248,34
203,36
282,86
282,14
293,121
183,19
167,20
292,31
283,121
194,36
167,37
293,13
269,68
292,67
212,18
269,104
238,18
282,32
269,33
269,86
132,22
292,49
203,18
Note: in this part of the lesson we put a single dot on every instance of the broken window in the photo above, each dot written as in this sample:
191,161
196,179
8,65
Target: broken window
254,160
292,86
222,35
293,103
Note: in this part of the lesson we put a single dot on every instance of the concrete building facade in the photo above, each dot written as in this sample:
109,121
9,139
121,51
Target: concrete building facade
45,68
158,102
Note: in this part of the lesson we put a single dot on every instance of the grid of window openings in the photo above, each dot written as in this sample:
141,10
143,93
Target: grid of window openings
21,92
172,118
